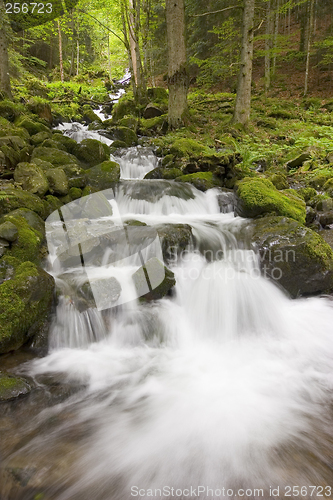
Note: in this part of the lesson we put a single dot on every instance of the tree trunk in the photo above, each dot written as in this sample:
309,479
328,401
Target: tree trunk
243,98
5,87
77,56
177,63
308,49
276,34
268,46
60,54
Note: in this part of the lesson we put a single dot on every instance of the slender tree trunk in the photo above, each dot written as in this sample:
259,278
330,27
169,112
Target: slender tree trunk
308,49
109,59
77,56
268,46
276,34
60,53
5,86
177,63
243,98
127,44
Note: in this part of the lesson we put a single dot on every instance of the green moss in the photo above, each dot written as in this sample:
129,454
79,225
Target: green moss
75,193
279,181
307,193
12,387
103,176
89,190
10,110
92,152
28,244
33,127
259,197
200,180
54,156
12,198
124,107
188,147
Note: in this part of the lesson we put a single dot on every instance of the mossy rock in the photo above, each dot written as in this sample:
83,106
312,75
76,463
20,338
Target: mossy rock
33,127
328,184
31,178
152,191
50,143
279,181
164,173
124,134
15,150
44,165
256,197
175,238
295,257
160,278
89,190
318,180
201,180
34,221
51,203
307,193
12,387
75,193
149,126
7,128
117,145
58,181
69,143
54,156
188,147
124,107
103,176
29,244
10,110
40,138
129,122
8,231
25,302
92,152
89,115
317,199
12,198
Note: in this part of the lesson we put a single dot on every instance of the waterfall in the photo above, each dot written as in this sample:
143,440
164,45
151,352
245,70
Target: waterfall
225,384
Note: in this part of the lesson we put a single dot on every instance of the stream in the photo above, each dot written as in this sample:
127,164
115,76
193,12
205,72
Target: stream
221,389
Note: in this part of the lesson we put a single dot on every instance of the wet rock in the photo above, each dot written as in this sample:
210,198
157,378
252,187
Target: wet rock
226,201
153,191
12,387
311,215
152,111
8,231
89,115
58,181
124,134
54,156
51,203
153,280
25,302
326,218
92,152
12,198
103,176
175,238
294,256
31,178
255,197
201,180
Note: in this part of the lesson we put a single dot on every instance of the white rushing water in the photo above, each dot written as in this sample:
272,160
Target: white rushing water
225,384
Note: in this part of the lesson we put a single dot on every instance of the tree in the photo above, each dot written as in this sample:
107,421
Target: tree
243,99
5,87
177,63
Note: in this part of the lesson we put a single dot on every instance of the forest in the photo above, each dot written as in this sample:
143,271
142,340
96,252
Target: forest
166,249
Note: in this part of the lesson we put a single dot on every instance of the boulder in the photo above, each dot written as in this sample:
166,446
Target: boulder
124,134
12,387
153,280
51,203
103,176
25,303
40,137
69,143
294,256
164,173
29,244
33,127
12,198
8,231
10,110
151,111
58,181
175,238
92,152
255,197
201,180
54,156
129,122
187,147
50,143
89,115
31,178
124,107
298,160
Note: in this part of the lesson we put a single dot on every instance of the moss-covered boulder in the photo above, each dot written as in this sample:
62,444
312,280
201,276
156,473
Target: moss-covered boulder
54,156
31,178
201,180
33,127
175,238
124,107
188,147
58,181
25,302
152,126
15,150
152,111
12,198
92,152
153,280
50,143
7,128
8,231
10,110
69,143
256,197
51,203
40,138
129,122
278,180
29,244
12,387
89,115
34,221
103,176
124,134
164,173
294,256
75,193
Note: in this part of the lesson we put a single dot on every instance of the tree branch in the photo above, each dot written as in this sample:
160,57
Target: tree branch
103,25
216,11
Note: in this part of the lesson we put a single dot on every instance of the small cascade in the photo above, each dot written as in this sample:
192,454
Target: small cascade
79,132
136,162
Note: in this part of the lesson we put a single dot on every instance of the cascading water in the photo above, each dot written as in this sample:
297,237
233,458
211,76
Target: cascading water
222,390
